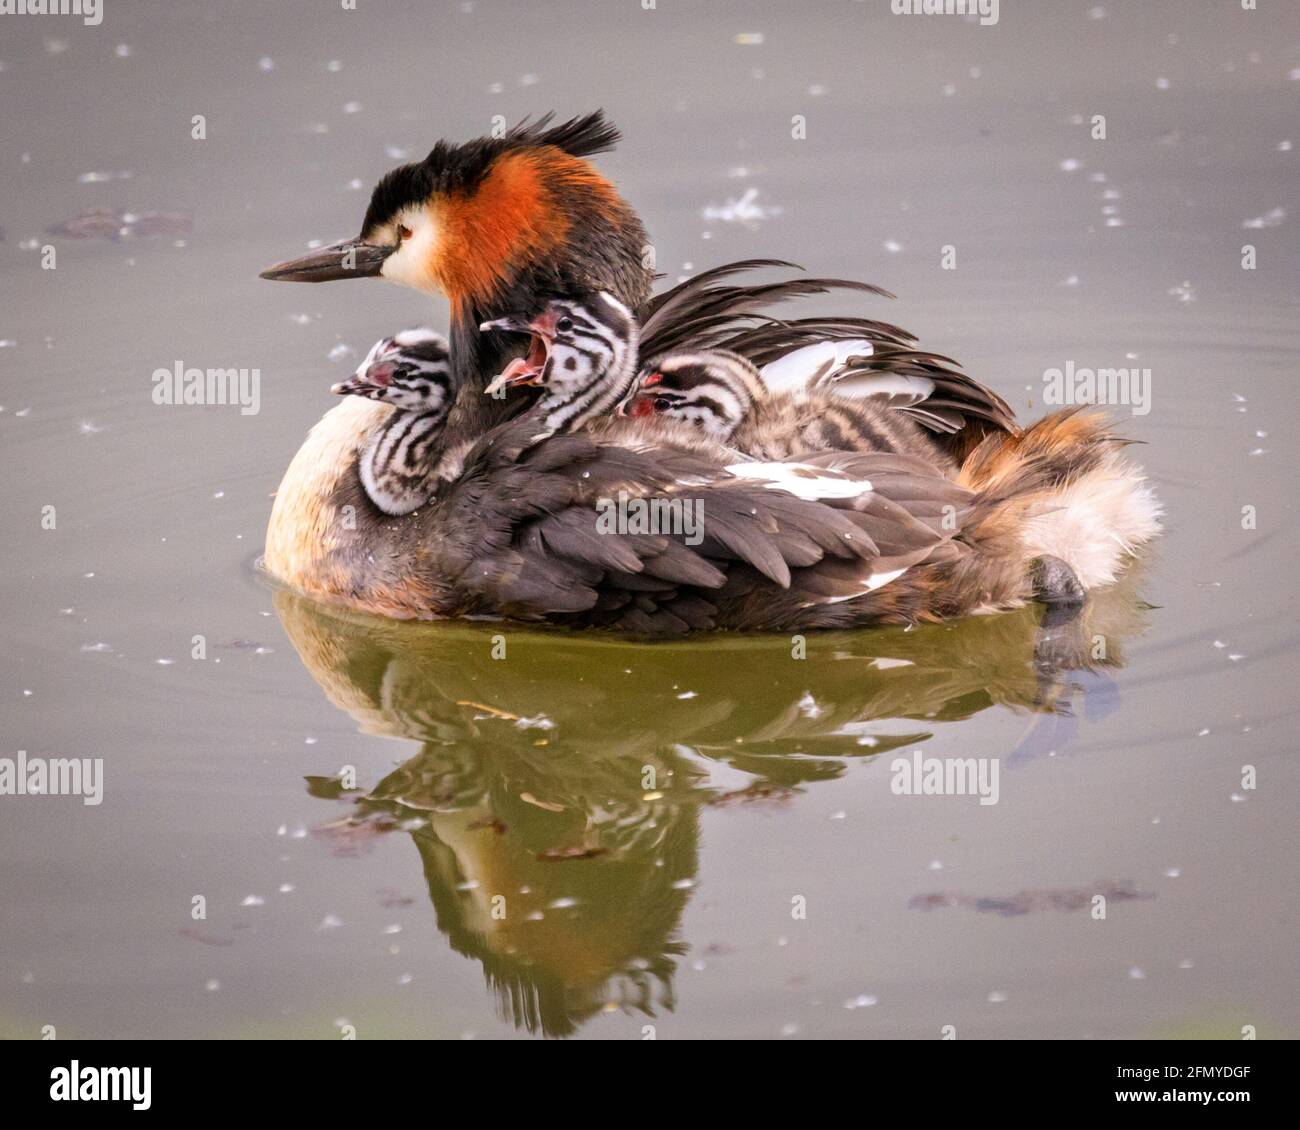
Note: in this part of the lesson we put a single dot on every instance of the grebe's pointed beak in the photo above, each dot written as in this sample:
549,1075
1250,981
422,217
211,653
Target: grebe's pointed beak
347,259
512,324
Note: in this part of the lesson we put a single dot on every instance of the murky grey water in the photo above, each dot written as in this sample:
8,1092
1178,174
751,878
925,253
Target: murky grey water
375,908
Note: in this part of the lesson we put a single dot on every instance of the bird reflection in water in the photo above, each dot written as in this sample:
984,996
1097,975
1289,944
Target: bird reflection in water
555,798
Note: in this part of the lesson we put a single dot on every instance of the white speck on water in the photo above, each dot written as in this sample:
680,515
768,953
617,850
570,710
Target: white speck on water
123,51
164,662
404,979
496,88
334,66
1270,219
689,694
285,888
299,833
310,741
1234,656
1184,292
1219,643
683,884
997,997
352,107
1162,83
749,38
1114,222
1097,13
809,707
340,351
561,903
253,900
99,177
1173,872
1284,147
817,90
840,815
790,1029
1202,733
536,722
1137,974
266,63
96,647
529,79
1294,75
1071,165
862,1000
355,184
282,830
1236,798
867,740
892,246
935,865
330,922
56,46
949,90
396,152
27,693
213,985
743,209
1070,280
395,928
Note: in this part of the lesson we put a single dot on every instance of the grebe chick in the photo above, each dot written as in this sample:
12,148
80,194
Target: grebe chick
411,372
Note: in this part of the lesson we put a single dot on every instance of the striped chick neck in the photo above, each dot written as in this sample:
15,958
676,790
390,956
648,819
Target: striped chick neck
591,362
411,372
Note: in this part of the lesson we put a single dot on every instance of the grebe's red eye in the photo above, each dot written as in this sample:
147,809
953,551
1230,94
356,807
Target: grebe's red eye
403,233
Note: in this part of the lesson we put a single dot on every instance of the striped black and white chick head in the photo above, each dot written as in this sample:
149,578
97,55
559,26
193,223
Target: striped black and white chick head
583,355
411,371
712,391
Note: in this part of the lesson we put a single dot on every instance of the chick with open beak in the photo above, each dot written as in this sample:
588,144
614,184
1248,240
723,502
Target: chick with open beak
530,369
582,352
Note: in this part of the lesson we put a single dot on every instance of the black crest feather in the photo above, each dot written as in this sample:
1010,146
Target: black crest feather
460,166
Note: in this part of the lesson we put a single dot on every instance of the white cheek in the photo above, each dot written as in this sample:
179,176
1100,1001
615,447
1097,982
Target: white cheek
409,264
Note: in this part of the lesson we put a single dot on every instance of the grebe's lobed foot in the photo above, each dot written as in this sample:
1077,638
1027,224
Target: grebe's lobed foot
1055,583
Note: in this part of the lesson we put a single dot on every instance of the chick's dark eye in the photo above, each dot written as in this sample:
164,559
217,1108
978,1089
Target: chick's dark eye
662,404
564,325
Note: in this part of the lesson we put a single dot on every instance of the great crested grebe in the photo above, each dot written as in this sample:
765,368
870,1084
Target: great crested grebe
505,225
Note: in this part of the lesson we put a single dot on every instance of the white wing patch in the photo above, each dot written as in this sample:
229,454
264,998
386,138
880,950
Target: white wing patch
796,369
803,481
870,583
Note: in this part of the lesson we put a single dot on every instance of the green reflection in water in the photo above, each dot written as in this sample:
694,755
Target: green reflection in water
555,800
